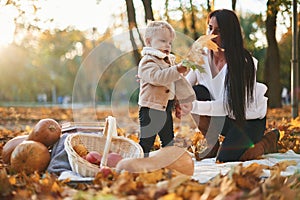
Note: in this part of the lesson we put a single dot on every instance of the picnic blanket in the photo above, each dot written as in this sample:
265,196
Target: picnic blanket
207,169
204,171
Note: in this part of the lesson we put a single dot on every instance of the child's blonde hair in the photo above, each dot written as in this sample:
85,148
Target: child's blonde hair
155,26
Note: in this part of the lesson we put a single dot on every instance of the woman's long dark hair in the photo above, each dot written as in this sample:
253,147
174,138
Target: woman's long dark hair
240,76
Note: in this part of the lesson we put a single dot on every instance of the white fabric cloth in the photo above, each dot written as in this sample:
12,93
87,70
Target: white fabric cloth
257,109
207,169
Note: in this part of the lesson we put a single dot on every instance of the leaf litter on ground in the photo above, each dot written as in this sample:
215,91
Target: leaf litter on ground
240,183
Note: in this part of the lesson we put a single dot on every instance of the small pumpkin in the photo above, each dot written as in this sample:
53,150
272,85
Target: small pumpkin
10,145
30,156
46,131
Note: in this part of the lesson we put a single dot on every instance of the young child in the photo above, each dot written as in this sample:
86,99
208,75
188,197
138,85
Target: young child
161,84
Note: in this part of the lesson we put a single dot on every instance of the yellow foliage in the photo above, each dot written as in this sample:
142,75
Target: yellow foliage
81,150
150,177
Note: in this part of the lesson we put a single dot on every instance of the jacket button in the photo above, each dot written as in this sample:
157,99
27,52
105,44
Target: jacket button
167,91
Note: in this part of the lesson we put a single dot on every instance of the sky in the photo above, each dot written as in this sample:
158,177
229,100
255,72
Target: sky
85,14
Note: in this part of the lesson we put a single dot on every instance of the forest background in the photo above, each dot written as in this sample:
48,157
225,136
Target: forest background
50,65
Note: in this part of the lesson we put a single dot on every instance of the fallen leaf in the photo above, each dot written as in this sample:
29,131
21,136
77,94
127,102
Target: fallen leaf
5,185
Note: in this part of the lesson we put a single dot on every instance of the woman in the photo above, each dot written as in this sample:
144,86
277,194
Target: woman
229,100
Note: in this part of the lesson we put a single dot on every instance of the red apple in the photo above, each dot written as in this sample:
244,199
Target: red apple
94,157
113,159
105,171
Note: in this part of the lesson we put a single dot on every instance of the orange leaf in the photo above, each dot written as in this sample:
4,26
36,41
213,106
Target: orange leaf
205,41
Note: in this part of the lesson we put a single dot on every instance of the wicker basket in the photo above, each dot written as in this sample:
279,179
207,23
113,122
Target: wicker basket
127,148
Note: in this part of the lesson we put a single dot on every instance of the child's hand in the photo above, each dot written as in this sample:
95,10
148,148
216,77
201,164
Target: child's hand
137,78
177,111
181,68
186,108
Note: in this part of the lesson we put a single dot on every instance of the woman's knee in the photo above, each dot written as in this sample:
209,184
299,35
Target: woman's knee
202,93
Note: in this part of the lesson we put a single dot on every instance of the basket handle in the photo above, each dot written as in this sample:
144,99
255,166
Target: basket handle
109,131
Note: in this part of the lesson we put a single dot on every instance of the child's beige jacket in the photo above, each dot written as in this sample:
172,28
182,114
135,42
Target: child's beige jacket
157,73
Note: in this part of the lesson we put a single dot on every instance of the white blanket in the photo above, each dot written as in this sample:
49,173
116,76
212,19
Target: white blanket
207,169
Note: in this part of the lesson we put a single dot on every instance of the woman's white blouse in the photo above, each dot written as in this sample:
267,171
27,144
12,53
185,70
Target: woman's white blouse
216,107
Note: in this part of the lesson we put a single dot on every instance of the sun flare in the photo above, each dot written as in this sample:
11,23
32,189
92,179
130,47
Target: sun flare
6,32
7,26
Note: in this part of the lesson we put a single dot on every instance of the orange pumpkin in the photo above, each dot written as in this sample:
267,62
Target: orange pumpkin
10,145
46,131
30,156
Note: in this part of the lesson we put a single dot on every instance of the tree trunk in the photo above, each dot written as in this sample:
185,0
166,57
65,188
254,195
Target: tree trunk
298,58
132,24
272,64
208,6
148,10
298,38
193,19
233,4
167,11
185,28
